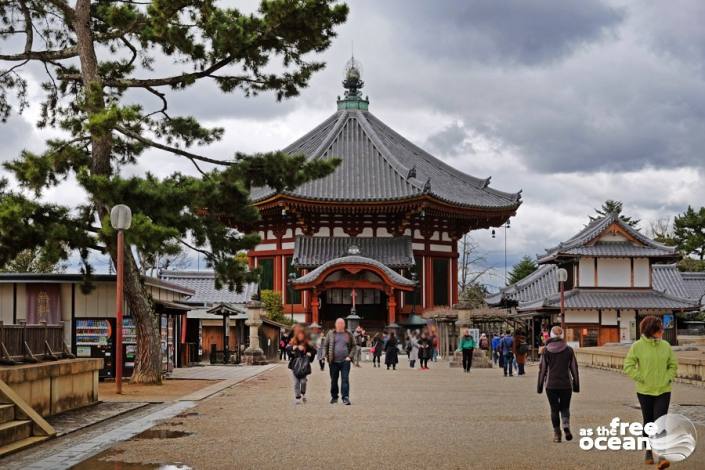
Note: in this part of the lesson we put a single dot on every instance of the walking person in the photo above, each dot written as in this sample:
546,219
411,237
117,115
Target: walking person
495,351
558,373
467,345
340,347
377,349
413,349
391,351
283,343
301,353
520,350
653,366
434,344
359,337
425,350
484,344
506,347
321,351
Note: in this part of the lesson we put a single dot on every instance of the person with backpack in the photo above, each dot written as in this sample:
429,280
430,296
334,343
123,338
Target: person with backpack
558,373
466,344
495,349
301,353
652,366
520,350
506,346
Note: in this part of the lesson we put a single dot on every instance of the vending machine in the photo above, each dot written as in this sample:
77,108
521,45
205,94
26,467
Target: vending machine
129,346
95,338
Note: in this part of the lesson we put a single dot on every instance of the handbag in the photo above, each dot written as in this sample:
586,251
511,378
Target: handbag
300,366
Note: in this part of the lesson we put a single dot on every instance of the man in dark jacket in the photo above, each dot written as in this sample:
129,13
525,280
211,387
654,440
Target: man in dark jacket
340,347
558,372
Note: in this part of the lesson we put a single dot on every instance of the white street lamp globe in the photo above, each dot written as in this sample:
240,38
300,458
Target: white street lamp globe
562,275
121,217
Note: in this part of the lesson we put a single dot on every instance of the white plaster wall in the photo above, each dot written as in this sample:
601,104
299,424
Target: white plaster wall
642,272
582,316
322,232
625,325
339,232
367,232
587,272
609,317
614,272
383,232
442,248
266,247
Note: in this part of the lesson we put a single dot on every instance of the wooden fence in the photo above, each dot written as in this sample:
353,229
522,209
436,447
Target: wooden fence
32,343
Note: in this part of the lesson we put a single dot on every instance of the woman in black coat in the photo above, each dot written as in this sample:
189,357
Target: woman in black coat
391,353
378,349
425,350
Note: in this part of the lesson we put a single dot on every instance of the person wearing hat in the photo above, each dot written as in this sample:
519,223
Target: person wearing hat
558,373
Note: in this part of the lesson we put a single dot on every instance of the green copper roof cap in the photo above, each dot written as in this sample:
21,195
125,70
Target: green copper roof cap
353,84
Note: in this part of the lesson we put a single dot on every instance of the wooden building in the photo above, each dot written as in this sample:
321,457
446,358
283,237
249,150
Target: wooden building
616,276
354,237
89,315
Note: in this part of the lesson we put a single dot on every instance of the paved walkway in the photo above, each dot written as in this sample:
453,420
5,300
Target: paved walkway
217,372
69,450
438,419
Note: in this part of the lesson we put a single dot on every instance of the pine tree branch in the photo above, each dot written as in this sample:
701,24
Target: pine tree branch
167,148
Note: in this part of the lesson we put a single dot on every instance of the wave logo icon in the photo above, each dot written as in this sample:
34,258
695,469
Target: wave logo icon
675,437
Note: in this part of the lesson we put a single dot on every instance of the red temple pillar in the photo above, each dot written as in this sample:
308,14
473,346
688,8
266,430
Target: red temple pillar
391,307
314,307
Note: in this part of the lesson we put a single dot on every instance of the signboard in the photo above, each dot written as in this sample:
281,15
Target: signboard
668,321
83,351
475,333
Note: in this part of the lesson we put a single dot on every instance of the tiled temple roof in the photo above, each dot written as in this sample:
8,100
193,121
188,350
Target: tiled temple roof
581,243
311,252
612,299
203,283
538,285
354,259
378,164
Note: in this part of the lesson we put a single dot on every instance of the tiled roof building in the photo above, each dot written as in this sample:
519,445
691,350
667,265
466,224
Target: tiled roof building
388,202
615,276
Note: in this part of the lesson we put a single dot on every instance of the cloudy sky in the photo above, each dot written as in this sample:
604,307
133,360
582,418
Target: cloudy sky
572,101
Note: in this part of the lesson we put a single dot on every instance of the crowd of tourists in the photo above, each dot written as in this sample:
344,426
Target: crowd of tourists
650,362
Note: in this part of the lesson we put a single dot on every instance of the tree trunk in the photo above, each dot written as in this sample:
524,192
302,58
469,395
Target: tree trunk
148,361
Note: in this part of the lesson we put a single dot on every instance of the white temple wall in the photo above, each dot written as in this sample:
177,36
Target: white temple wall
642,272
586,271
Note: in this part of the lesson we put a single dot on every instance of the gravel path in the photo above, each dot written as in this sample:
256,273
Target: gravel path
440,418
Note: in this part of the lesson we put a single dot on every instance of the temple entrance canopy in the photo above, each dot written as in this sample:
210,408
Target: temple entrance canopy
353,280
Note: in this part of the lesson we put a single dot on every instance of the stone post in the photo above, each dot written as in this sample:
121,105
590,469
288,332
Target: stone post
253,354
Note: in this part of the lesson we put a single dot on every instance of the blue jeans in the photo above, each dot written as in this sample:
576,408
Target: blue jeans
508,363
341,369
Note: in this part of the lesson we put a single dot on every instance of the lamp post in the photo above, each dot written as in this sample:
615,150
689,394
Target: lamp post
292,277
562,277
120,219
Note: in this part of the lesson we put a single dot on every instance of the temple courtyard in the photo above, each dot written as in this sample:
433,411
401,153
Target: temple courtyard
440,418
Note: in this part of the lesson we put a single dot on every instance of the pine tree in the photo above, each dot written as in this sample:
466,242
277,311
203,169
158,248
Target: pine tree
102,60
689,232
611,206
523,268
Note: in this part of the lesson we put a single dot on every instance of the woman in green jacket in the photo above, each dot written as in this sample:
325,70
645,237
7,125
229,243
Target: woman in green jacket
466,344
653,366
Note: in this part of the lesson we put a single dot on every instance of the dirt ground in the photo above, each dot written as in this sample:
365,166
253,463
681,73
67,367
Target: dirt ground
169,390
441,419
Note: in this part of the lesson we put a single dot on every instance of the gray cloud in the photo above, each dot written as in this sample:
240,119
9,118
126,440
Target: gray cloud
526,32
